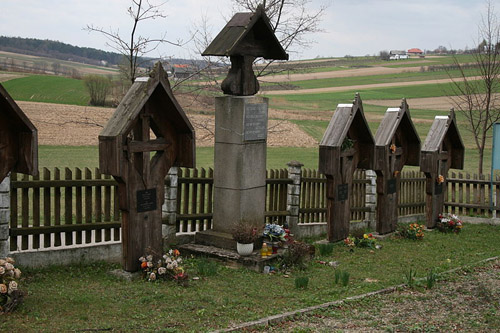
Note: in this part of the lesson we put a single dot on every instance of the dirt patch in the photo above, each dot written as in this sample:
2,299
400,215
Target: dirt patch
73,125
6,77
432,103
464,301
344,73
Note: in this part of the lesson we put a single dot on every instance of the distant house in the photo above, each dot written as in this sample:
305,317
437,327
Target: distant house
415,52
183,71
397,55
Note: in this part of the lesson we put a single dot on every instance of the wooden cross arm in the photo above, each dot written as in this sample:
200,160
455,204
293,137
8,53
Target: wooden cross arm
146,146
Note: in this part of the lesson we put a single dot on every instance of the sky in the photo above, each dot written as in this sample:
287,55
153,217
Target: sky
350,27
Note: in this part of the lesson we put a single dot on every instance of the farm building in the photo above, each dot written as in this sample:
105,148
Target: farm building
397,55
183,71
415,52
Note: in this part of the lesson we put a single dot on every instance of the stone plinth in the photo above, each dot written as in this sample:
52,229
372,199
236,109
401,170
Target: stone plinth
240,161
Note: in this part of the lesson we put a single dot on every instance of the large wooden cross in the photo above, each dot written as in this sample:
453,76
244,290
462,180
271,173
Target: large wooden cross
388,180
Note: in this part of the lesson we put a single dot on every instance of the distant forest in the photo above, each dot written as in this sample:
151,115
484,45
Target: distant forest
58,50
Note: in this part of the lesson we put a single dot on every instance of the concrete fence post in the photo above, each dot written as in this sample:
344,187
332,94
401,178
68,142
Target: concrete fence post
4,216
293,195
169,208
371,197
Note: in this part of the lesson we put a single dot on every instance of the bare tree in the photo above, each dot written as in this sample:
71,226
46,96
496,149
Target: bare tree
134,46
478,99
292,21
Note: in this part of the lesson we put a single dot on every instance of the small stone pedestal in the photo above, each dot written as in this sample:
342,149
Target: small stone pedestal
239,167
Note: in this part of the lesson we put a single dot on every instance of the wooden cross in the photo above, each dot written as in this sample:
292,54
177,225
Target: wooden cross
436,192
388,180
338,192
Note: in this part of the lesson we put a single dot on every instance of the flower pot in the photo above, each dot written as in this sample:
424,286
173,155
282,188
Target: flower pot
244,249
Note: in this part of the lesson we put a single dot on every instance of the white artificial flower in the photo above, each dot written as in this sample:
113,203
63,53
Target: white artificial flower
165,257
17,273
12,286
150,264
10,260
2,262
179,260
152,276
162,270
174,263
9,266
2,270
170,266
168,260
170,251
142,259
149,258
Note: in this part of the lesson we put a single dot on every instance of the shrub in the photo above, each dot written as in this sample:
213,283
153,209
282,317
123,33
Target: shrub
98,88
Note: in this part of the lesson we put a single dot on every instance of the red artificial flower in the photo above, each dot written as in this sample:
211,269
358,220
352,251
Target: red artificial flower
144,265
176,253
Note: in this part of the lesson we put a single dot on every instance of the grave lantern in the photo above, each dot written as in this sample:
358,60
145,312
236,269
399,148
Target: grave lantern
240,127
245,37
443,149
396,144
346,146
148,120
18,139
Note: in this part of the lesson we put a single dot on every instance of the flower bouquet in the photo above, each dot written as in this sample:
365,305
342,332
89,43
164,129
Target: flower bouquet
413,231
166,268
449,223
10,295
274,232
366,241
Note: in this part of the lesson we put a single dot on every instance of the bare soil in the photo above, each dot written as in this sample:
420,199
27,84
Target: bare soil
72,125
466,301
344,73
356,87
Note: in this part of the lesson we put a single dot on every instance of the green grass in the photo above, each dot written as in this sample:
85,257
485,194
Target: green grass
87,297
48,89
88,156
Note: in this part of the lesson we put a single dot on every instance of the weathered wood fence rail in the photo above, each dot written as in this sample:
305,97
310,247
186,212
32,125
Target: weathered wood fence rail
70,207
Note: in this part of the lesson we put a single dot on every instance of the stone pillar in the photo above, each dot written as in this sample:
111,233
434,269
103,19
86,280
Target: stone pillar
371,197
239,167
293,195
4,216
169,209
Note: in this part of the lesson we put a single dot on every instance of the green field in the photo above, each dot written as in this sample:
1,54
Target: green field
48,89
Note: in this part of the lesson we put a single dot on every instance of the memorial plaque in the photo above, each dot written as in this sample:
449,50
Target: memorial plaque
438,189
146,200
343,192
391,186
255,122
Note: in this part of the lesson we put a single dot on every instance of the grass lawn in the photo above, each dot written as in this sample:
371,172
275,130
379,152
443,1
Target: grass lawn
87,297
88,156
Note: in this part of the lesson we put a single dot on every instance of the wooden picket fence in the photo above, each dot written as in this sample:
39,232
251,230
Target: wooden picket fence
76,207
313,196
70,207
470,195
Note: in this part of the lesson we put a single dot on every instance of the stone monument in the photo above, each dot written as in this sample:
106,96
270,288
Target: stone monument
240,127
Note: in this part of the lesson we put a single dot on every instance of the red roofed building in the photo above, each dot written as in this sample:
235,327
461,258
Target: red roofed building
415,51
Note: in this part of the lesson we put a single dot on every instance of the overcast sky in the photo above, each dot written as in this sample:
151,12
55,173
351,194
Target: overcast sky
353,27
